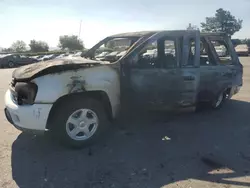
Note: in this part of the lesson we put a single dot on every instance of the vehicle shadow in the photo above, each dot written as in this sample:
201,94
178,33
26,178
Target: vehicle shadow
211,146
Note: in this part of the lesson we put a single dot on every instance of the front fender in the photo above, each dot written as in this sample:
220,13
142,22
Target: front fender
101,78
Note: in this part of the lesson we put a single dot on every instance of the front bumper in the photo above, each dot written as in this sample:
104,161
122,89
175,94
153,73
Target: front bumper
26,117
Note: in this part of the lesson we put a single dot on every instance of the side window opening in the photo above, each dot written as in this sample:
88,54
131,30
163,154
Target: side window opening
113,49
191,54
206,57
222,50
147,57
158,54
170,58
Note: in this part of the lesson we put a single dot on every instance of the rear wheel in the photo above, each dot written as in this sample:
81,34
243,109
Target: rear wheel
79,122
214,104
219,100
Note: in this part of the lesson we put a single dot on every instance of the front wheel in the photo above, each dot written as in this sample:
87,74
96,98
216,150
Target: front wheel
79,122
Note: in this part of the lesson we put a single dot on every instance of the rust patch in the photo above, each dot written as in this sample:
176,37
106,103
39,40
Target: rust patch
77,84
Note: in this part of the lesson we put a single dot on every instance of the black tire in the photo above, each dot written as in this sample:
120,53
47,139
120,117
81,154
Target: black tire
63,112
201,106
219,100
11,64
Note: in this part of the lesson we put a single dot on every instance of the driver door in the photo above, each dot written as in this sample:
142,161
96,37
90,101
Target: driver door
153,75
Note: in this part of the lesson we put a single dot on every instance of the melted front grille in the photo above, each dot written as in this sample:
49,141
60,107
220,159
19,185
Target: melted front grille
12,89
13,83
13,95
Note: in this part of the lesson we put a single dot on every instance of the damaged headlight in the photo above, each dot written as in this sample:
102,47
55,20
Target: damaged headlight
25,93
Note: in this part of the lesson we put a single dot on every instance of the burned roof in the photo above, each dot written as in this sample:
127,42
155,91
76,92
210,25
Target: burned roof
134,34
212,34
143,33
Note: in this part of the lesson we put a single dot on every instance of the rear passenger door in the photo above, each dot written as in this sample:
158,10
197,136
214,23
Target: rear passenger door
190,68
209,71
228,66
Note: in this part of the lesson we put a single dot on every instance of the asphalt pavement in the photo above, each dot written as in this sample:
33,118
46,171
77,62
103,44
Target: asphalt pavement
207,149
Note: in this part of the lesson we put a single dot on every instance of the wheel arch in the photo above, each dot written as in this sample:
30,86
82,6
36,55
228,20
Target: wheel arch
99,95
206,95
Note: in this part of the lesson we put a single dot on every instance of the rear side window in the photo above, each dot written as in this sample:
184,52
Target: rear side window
206,57
222,50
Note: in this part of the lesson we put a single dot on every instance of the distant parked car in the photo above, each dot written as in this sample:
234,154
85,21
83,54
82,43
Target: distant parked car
52,56
101,55
118,56
150,53
34,57
60,56
40,56
11,60
112,57
220,50
77,54
48,57
242,49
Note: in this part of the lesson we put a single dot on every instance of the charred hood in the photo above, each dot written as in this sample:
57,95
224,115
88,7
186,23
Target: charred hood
29,72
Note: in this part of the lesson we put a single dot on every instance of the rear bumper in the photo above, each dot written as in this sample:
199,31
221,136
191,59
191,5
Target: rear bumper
31,118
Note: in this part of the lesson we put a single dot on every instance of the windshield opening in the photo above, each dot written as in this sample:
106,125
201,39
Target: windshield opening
112,49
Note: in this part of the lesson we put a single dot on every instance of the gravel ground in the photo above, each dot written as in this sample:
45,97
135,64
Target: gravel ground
208,149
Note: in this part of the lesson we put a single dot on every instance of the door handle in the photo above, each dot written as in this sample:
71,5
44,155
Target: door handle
227,74
210,68
188,78
173,72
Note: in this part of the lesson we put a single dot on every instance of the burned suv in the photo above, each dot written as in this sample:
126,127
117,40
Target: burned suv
75,98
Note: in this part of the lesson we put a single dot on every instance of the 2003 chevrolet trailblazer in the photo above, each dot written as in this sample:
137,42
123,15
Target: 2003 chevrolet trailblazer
75,98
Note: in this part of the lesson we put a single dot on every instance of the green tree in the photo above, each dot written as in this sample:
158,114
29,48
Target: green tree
7,50
246,41
70,42
223,21
18,46
38,46
236,42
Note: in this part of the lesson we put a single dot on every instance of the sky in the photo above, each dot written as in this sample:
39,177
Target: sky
46,20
